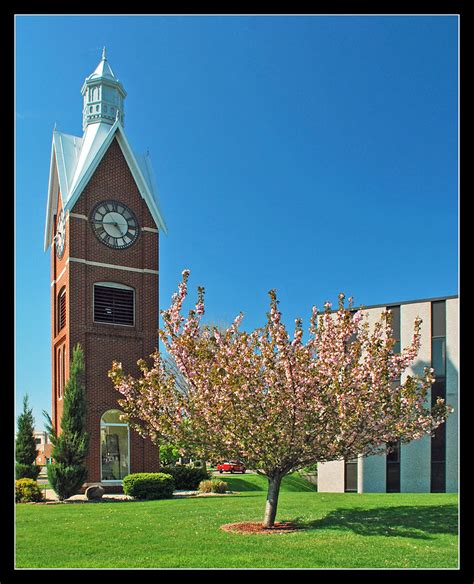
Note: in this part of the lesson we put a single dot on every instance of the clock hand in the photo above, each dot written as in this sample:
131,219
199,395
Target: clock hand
104,222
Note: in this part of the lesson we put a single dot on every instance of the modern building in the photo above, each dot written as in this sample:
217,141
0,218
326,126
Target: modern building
103,224
43,448
429,464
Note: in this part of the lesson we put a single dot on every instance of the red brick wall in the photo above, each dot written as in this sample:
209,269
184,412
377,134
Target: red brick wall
103,343
59,279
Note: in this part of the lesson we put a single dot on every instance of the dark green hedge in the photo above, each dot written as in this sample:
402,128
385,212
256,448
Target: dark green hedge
149,485
27,471
185,477
66,479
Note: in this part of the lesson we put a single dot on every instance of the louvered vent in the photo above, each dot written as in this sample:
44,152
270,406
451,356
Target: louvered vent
113,305
62,310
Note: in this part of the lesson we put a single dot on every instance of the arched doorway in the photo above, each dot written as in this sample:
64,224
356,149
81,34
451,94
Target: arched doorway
114,447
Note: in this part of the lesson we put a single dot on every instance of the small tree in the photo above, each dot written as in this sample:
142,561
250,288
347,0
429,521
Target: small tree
169,454
25,445
275,402
67,472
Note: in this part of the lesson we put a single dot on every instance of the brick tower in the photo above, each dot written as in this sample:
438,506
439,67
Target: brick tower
103,224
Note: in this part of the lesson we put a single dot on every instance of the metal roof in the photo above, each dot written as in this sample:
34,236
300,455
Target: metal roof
74,160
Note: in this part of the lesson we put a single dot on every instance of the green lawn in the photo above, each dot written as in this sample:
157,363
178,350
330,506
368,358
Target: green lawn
255,482
343,531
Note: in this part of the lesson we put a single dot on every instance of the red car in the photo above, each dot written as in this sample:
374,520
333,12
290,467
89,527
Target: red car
231,466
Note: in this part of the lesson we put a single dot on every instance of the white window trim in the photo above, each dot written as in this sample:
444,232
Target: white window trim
105,425
114,285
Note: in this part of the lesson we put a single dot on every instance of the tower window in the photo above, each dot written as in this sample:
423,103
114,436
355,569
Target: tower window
63,370
114,304
61,309
60,374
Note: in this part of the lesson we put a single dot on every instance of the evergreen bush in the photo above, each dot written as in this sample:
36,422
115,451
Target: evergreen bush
185,477
65,479
25,444
27,491
149,485
27,471
67,472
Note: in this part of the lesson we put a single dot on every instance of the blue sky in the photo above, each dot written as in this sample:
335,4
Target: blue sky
311,154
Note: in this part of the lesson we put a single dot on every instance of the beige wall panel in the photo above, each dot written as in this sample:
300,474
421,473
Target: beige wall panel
331,477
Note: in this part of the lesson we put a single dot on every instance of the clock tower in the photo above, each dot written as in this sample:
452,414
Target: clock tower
103,224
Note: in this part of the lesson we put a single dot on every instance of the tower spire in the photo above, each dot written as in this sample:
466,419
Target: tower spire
103,96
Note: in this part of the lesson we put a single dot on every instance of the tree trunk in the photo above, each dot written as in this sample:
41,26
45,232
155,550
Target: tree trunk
274,483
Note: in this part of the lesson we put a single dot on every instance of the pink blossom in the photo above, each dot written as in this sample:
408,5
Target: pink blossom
274,401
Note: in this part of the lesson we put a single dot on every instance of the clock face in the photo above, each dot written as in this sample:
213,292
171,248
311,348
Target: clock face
114,224
60,236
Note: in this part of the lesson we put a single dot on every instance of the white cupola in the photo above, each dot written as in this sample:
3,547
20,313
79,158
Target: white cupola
103,96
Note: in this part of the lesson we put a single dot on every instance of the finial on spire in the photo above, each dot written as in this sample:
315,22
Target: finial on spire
104,58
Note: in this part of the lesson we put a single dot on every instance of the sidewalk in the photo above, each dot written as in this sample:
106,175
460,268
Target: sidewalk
51,497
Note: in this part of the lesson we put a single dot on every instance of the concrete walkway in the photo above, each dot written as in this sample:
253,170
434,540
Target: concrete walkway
51,497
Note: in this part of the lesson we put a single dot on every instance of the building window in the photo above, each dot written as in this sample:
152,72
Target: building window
60,374
61,309
438,356
438,389
393,467
114,447
63,381
350,475
114,304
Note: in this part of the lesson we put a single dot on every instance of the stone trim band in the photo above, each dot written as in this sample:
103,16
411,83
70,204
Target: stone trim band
102,265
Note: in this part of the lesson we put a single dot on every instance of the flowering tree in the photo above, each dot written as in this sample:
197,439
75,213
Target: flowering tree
275,402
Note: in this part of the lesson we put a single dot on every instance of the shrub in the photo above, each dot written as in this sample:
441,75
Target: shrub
27,471
27,491
198,464
65,479
149,485
185,477
213,486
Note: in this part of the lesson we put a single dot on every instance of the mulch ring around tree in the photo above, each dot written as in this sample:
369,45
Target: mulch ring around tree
256,527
